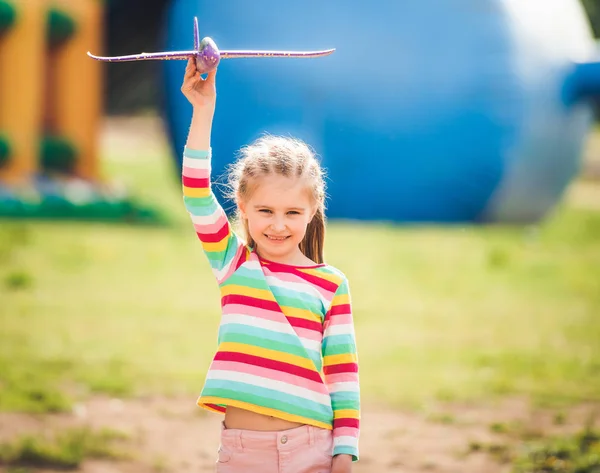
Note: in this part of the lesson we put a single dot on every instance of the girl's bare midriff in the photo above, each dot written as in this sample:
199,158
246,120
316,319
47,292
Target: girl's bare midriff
236,418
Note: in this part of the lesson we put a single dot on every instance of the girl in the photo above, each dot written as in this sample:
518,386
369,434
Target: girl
285,373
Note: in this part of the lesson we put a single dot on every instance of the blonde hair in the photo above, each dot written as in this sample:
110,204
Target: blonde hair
287,157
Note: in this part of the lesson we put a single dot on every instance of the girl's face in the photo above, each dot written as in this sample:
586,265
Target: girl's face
278,212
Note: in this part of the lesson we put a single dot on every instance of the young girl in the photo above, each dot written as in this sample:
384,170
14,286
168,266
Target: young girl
285,373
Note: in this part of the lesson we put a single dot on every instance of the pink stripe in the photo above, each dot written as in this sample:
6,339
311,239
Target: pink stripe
320,281
272,316
197,173
308,334
345,432
289,277
314,279
255,312
236,261
341,378
208,229
340,319
298,322
212,236
274,375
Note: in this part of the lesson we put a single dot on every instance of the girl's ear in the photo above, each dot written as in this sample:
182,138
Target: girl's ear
314,212
241,206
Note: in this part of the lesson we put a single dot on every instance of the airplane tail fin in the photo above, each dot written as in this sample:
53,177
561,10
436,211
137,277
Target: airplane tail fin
196,34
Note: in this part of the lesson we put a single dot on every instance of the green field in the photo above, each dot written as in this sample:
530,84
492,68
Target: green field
462,313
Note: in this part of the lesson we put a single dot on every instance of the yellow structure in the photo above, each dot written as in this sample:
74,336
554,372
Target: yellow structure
50,91
21,88
77,88
50,109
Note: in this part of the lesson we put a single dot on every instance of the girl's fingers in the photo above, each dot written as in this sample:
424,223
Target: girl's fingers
210,78
191,67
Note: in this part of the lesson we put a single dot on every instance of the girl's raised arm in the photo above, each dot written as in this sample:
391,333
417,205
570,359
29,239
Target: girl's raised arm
221,245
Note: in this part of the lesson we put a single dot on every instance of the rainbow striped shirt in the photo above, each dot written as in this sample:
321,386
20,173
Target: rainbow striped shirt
286,345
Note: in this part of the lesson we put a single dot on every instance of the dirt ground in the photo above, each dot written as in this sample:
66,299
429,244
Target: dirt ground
173,435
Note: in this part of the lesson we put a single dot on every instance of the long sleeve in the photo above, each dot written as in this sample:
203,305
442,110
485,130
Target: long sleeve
221,245
340,367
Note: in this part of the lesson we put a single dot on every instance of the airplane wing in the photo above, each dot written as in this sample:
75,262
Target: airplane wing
146,56
249,53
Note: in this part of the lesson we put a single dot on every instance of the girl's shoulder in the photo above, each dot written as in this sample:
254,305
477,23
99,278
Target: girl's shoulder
332,273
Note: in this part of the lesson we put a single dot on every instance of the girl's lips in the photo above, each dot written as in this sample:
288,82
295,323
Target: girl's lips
273,238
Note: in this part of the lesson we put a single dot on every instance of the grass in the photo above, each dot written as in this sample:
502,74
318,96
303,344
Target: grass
462,313
578,453
573,453
65,450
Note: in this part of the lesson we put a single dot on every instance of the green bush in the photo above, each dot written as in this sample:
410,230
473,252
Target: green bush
4,150
57,155
7,16
60,27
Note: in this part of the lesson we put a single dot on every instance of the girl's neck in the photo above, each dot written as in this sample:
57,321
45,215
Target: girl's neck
295,259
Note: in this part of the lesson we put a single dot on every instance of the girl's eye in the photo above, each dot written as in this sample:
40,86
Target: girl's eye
265,211
293,212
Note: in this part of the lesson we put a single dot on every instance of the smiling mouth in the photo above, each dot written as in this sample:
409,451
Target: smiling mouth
274,238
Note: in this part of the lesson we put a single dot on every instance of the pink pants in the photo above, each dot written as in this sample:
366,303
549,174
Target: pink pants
304,449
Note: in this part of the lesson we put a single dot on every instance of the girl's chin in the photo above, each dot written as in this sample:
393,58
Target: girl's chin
270,249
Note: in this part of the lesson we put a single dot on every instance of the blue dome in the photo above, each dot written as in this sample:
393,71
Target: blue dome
428,111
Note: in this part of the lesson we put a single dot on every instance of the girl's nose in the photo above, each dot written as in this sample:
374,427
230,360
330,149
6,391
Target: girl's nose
278,225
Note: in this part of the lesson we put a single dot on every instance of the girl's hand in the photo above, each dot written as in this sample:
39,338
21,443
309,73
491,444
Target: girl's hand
201,93
341,464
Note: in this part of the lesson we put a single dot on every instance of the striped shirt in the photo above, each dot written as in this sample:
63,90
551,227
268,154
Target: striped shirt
286,345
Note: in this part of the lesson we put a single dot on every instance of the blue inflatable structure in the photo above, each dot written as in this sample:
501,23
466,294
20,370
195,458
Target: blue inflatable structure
428,111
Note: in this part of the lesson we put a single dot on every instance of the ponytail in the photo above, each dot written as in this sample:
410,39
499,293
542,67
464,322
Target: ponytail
313,243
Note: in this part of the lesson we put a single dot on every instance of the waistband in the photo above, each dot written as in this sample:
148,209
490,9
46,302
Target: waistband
282,440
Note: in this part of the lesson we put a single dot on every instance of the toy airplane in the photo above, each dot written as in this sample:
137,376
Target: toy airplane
208,55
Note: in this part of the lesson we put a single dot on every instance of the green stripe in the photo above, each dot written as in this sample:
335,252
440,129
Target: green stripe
200,203
338,345
344,405
220,259
232,337
297,303
268,398
216,256
270,338
246,281
346,450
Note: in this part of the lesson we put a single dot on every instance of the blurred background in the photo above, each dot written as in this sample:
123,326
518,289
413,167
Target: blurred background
462,147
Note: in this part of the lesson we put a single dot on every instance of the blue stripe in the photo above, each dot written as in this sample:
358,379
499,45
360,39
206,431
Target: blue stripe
196,153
